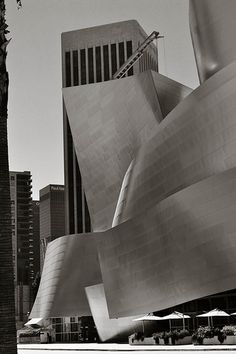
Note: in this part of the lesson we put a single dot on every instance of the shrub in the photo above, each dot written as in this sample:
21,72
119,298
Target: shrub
183,333
201,333
156,338
166,337
174,335
137,336
229,330
221,337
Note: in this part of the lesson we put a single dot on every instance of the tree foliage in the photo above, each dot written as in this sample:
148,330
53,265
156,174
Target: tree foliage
7,302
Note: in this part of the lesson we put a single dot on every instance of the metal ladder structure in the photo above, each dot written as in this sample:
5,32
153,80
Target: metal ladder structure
135,56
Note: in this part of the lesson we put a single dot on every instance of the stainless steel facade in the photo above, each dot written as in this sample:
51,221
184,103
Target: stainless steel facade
180,250
163,195
70,265
116,329
110,122
93,55
212,25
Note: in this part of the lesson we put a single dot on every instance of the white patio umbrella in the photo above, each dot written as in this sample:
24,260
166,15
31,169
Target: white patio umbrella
214,313
176,316
148,317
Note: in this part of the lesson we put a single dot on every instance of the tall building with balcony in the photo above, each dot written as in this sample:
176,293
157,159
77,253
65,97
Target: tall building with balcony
89,56
22,241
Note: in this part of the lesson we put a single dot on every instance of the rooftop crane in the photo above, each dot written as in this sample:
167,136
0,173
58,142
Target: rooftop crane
136,55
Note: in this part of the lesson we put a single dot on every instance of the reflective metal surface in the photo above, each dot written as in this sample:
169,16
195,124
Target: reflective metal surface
71,264
110,121
196,140
181,249
108,127
116,329
213,30
167,188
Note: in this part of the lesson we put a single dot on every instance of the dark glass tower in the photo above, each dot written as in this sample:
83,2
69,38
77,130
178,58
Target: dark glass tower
52,215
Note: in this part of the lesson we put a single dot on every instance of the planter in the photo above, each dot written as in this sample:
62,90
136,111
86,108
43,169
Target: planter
28,340
161,342
184,341
230,340
211,341
147,341
214,341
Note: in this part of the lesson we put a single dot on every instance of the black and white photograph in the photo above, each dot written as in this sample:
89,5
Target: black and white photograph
117,176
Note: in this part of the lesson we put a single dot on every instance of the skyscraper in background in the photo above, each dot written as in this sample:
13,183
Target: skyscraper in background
93,55
22,241
52,215
36,247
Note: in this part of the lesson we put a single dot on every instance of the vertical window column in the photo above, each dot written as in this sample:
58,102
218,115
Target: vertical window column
94,64
90,66
75,68
129,51
109,58
113,58
106,63
68,69
98,64
121,54
83,67
126,57
87,67
117,56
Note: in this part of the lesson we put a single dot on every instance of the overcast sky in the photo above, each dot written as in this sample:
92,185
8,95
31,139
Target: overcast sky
34,65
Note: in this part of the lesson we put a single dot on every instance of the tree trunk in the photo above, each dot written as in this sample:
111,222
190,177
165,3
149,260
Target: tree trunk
7,303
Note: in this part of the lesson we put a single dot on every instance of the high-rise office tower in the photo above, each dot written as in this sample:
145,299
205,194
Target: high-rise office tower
22,241
93,55
52,215
36,246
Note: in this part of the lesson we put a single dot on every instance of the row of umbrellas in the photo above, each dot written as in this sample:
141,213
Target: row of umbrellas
173,316
178,315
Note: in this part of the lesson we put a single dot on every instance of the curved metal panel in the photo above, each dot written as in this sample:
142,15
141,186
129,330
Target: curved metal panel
71,264
168,187
109,122
213,30
116,329
170,92
50,278
176,252
196,140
